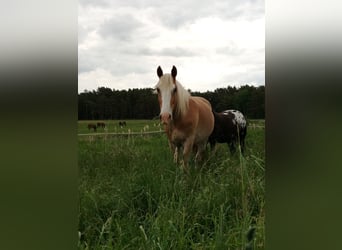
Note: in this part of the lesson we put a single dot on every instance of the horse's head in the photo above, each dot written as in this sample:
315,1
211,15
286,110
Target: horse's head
167,93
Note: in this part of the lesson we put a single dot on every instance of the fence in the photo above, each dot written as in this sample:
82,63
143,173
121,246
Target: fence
253,126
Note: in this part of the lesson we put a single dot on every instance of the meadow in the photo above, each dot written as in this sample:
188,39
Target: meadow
132,195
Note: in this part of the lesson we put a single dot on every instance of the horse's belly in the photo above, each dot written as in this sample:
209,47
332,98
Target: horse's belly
222,139
178,137
201,137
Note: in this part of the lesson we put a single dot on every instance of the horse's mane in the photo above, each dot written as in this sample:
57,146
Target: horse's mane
182,100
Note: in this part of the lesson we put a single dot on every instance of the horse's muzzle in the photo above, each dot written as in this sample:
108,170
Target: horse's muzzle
165,118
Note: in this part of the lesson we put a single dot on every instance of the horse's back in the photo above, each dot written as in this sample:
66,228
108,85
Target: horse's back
201,101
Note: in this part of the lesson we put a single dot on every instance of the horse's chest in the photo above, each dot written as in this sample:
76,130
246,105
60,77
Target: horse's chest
178,136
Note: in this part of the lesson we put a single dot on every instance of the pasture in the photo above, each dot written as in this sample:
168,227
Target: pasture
132,195
112,126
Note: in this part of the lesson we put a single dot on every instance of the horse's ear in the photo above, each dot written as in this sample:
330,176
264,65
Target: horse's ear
159,72
174,72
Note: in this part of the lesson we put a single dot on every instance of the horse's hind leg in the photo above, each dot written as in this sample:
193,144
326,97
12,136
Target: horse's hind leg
212,144
200,152
242,139
242,144
232,147
175,155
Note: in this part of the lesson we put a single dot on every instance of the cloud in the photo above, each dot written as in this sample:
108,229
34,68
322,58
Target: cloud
121,27
127,40
188,11
230,50
93,3
174,15
175,52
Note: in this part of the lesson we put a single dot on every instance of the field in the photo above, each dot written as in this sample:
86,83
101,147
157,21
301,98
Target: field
132,195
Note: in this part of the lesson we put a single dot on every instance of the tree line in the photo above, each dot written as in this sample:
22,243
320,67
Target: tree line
110,104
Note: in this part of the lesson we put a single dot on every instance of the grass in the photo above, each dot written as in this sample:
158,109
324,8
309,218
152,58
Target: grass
132,195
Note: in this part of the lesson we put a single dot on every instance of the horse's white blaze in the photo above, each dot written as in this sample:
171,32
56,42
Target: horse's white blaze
166,88
166,99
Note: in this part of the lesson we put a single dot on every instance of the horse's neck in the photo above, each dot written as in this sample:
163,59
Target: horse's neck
176,118
177,114
180,120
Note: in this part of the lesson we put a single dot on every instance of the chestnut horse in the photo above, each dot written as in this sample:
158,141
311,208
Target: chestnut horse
188,120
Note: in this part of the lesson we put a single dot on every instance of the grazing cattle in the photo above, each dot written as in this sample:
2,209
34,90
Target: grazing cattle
101,124
230,127
188,120
92,126
122,124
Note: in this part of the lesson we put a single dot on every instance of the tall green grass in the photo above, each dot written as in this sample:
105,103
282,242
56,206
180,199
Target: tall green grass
132,195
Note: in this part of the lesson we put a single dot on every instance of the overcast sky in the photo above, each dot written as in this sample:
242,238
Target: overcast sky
213,44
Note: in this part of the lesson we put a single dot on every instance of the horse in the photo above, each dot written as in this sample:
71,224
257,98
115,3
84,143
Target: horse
101,124
231,128
92,126
188,120
122,124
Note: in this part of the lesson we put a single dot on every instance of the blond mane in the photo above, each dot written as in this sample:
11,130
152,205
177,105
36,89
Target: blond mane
182,100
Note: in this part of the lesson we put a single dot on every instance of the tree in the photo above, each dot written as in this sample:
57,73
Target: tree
105,103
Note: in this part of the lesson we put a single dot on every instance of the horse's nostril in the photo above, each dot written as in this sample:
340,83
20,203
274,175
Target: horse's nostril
169,116
160,116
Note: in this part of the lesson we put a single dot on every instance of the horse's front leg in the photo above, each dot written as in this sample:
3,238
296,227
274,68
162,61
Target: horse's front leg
188,146
174,150
175,155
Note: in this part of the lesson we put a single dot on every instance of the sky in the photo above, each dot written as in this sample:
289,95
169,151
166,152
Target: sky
213,44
